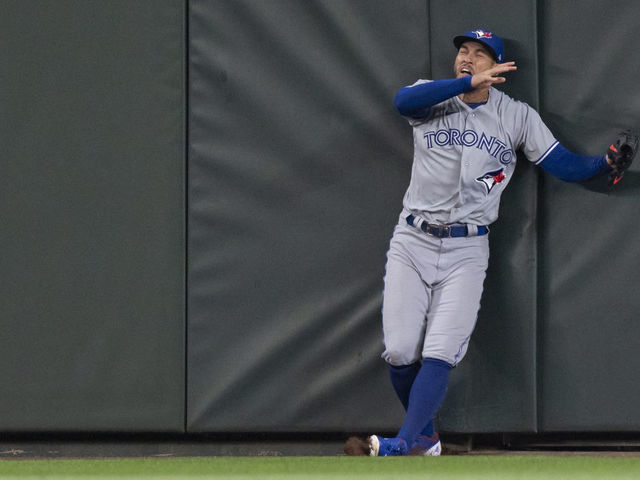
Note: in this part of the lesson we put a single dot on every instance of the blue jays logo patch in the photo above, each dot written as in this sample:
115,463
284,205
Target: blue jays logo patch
482,34
491,179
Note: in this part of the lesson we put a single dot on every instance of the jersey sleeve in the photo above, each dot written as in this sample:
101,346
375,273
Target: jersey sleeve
536,140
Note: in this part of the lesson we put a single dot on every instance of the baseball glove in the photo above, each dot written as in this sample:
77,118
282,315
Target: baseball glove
621,153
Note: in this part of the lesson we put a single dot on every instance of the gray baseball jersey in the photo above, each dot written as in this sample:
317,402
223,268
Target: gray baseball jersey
463,160
464,157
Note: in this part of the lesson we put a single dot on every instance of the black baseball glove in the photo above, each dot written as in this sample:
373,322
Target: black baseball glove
621,153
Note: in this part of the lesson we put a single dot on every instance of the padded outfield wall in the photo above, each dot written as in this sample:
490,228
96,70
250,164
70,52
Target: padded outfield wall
198,197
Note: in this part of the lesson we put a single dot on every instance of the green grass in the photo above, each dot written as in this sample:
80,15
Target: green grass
272,468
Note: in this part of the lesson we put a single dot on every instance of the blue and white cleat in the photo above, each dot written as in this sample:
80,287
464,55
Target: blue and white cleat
427,446
387,447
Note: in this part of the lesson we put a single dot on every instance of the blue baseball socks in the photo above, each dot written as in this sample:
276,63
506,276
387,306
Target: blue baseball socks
421,389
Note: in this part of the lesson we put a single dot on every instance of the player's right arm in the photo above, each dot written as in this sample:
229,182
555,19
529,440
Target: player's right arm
416,101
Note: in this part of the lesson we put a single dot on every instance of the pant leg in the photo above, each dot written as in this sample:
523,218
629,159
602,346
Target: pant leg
456,299
406,298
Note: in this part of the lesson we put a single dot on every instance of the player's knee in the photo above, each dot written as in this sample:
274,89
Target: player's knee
399,358
449,352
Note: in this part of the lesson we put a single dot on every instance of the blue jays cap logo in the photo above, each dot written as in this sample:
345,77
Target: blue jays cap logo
482,34
491,179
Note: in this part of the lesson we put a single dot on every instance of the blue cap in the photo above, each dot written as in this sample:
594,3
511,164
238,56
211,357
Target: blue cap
490,40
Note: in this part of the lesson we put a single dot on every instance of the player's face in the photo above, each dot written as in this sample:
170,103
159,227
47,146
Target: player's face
472,58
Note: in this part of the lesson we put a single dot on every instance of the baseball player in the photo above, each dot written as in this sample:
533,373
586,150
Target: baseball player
466,134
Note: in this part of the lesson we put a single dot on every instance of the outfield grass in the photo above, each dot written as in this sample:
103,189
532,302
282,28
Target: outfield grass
272,468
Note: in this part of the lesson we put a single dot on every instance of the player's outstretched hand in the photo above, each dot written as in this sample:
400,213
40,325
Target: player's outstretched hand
489,77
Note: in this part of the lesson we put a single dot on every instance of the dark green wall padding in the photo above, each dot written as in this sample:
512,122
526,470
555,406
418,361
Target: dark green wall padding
93,213
197,198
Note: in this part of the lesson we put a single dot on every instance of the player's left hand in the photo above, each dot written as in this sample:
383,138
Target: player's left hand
621,153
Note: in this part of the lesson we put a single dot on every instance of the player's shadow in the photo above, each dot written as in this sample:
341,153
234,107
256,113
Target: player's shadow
628,186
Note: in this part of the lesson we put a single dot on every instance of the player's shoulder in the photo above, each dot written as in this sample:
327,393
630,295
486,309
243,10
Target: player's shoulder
509,105
420,81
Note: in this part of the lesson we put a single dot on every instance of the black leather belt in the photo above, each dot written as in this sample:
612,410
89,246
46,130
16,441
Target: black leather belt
444,231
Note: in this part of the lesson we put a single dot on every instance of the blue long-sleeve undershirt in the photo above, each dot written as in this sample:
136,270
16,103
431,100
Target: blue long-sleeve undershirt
416,101
571,167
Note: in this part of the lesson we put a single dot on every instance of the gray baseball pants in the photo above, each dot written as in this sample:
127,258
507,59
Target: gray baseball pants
432,291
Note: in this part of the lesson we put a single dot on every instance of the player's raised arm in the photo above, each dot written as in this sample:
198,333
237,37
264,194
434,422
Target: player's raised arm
416,100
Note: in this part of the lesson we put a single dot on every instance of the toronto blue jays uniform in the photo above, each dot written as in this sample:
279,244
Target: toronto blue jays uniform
463,161
464,157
